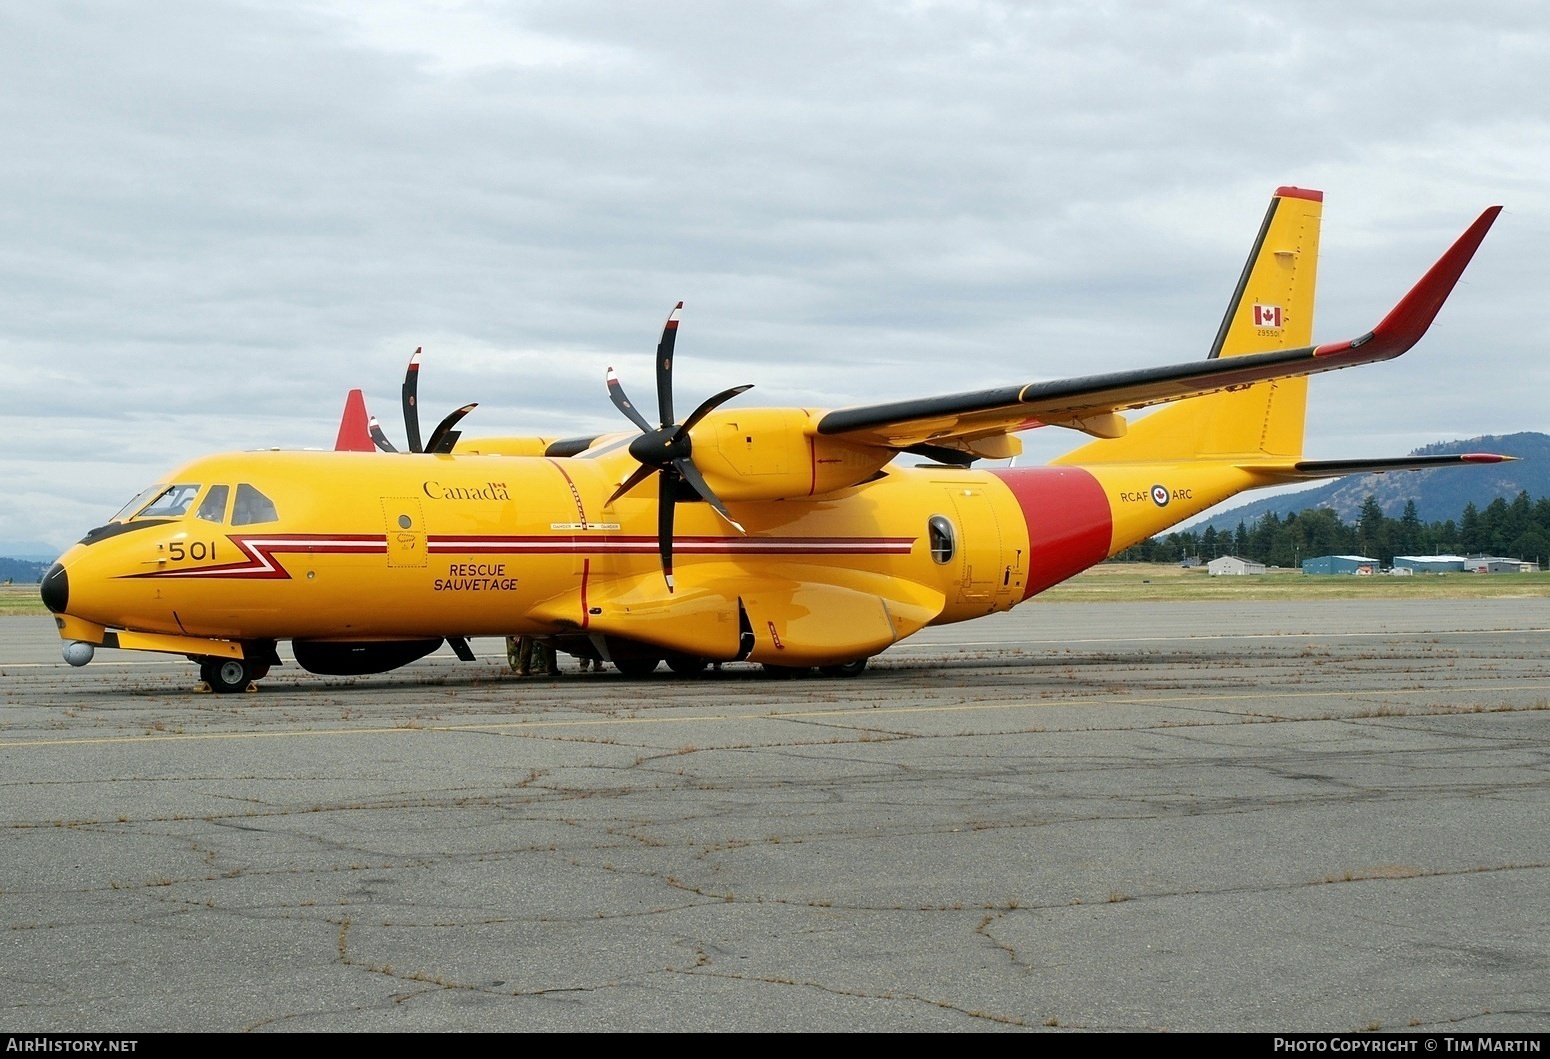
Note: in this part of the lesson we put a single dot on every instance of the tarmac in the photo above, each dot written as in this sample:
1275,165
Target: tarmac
1270,817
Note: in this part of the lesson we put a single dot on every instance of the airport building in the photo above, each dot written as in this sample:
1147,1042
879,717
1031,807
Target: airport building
1231,564
1430,564
1495,564
1340,564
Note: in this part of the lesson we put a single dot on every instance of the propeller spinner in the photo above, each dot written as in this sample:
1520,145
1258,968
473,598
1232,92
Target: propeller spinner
667,449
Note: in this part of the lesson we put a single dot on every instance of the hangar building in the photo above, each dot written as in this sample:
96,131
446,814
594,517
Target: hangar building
1430,564
1231,564
1340,564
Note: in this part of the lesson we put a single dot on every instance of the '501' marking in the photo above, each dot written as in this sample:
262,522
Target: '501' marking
198,551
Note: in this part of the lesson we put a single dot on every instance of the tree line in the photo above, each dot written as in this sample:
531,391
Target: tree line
1519,529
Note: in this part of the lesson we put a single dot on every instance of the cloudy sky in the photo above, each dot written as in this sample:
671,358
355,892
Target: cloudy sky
217,217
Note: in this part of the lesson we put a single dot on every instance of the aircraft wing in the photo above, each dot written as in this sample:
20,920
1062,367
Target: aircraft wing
1093,403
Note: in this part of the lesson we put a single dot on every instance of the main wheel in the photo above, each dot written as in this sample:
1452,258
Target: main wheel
687,665
848,669
227,675
636,667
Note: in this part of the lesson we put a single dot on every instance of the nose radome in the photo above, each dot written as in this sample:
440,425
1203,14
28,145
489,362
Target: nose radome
55,589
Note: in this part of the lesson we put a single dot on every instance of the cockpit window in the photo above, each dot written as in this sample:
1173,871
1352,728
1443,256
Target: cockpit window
213,507
252,507
172,503
141,499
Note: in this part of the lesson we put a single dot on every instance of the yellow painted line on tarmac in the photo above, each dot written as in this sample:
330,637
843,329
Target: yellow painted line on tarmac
701,718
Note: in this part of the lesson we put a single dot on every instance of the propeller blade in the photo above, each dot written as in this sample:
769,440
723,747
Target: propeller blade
621,402
710,405
374,428
692,475
642,472
411,410
665,366
665,506
444,437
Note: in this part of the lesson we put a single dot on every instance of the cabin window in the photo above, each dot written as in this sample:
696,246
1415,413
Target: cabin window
213,508
252,507
172,502
944,542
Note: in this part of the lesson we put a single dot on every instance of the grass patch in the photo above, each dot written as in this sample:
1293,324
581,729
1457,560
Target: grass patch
20,600
1167,582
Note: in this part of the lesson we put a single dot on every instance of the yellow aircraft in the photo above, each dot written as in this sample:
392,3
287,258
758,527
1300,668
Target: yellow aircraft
782,536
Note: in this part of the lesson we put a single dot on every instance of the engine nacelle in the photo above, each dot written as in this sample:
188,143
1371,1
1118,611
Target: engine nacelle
776,453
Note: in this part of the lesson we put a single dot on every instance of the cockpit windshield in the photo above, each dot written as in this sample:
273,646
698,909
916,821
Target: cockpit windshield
171,501
142,498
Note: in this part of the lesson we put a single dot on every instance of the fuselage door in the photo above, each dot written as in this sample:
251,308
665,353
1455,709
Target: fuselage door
979,545
405,531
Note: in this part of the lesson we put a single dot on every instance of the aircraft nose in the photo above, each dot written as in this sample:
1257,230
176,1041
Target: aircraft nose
55,589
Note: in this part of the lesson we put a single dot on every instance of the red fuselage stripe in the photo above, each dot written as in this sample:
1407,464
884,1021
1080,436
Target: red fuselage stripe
260,551
1069,521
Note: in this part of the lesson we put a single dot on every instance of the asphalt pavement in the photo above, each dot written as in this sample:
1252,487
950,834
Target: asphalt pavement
1322,816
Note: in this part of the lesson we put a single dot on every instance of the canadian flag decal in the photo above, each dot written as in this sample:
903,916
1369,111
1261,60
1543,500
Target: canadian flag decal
1267,316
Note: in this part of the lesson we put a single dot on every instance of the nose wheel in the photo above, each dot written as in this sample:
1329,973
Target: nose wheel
229,675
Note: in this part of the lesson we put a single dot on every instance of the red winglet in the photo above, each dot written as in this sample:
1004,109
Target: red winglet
1412,316
354,435
1408,321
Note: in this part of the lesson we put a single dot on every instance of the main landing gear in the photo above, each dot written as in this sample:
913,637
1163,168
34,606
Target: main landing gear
645,665
846,669
637,666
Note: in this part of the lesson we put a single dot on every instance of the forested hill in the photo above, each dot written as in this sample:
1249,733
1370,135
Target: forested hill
21,571
1439,494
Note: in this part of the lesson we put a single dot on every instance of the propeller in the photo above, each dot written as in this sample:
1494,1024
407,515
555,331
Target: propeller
442,438
666,450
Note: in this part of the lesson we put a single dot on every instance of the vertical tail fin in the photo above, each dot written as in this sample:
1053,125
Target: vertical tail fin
1271,308
354,435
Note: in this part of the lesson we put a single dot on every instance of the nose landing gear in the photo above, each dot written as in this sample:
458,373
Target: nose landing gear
229,675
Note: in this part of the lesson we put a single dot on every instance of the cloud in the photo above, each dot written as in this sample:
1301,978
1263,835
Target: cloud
220,217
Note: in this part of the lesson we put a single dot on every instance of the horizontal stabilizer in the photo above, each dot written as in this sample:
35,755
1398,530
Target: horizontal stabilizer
901,424
1314,469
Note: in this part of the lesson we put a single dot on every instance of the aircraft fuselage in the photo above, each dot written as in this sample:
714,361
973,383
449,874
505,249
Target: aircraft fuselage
369,547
